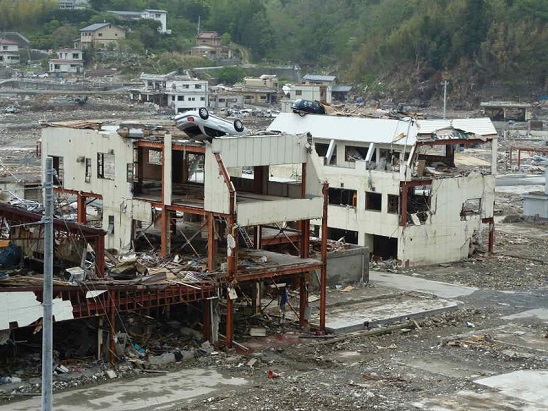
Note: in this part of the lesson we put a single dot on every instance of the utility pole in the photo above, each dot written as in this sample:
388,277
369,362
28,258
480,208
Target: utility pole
445,82
47,329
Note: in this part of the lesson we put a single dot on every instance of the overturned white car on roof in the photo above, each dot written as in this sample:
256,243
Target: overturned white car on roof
201,124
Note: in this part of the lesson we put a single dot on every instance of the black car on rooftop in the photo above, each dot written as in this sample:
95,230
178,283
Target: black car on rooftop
303,107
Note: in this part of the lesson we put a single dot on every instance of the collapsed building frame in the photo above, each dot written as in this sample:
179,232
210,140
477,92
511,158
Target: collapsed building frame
224,184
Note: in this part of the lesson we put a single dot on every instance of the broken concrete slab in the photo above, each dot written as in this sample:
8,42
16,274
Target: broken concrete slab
408,283
530,386
368,314
523,390
539,313
473,401
163,391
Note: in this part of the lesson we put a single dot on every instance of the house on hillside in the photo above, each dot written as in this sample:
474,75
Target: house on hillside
209,45
9,52
153,14
67,61
179,92
404,188
100,36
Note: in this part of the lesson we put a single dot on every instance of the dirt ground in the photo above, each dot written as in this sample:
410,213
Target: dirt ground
375,370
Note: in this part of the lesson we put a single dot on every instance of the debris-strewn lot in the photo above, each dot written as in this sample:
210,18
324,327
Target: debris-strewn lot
388,368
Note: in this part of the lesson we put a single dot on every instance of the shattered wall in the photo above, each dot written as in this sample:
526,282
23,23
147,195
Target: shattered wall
446,235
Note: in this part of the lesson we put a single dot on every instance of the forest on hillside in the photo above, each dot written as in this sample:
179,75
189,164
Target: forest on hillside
380,45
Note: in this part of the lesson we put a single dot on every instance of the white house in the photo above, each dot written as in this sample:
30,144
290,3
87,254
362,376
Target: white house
398,186
159,15
9,52
180,93
67,61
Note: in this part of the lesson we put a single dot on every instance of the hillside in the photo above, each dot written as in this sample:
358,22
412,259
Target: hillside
384,48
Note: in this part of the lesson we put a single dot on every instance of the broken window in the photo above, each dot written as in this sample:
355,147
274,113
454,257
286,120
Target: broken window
155,157
321,149
471,208
384,248
130,172
105,166
393,204
59,170
345,236
343,197
88,170
418,204
373,201
352,153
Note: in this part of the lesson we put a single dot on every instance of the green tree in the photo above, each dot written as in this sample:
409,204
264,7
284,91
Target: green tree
230,75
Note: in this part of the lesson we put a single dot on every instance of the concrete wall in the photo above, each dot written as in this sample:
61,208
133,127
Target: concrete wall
445,236
535,204
70,144
345,266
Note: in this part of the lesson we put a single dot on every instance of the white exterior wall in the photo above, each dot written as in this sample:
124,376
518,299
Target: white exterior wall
432,242
310,92
158,15
445,237
66,66
187,94
117,200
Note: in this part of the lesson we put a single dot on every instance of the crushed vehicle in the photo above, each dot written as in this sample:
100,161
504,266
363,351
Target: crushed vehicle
303,107
11,110
200,122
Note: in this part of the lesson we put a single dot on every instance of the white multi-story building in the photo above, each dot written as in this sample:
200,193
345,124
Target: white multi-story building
180,93
9,52
398,186
158,15
67,61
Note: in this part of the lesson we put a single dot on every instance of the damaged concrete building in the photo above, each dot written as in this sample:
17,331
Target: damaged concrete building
219,234
399,186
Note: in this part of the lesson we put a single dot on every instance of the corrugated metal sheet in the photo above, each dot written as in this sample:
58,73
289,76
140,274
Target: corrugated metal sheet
355,129
480,126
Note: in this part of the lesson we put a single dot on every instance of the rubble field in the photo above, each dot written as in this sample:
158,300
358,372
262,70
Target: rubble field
393,367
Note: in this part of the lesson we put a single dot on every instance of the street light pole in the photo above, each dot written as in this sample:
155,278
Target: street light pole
47,329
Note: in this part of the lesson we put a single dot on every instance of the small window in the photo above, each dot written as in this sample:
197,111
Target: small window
130,172
88,170
59,170
105,166
393,204
373,201
155,157
197,86
110,229
298,92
